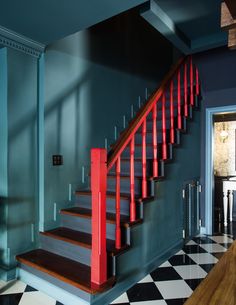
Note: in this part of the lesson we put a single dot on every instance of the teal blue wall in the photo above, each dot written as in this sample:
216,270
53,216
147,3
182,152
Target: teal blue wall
21,218
91,80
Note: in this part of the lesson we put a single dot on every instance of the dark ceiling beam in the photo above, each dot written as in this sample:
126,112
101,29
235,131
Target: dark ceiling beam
232,7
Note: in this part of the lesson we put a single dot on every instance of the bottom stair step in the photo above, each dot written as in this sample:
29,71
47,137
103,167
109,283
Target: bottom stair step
64,269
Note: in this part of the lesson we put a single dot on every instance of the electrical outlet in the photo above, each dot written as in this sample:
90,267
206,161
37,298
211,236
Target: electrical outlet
57,160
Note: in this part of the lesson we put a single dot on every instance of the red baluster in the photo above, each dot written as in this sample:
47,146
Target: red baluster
197,82
154,140
191,82
179,102
164,145
185,91
118,231
144,160
132,194
98,188
172,127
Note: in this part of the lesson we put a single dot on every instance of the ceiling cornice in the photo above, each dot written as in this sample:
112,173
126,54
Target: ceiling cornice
11,39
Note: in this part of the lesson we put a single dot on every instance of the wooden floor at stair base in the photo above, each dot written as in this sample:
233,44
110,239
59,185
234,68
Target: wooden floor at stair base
219,287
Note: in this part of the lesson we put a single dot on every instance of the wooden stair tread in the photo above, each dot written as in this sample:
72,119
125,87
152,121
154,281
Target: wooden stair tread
81,239
64,269
108,194
111,218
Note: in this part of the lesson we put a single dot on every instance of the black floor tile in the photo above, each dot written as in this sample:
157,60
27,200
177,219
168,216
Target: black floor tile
226,245
176,301
193,249
203,240
218,255
144,292
165,274
178,260
207,267
58,303
29,289
10,299
193,283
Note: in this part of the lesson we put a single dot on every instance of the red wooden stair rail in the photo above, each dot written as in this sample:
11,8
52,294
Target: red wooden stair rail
182,76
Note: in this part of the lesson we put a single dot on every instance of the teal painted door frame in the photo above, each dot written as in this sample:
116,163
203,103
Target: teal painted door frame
209,171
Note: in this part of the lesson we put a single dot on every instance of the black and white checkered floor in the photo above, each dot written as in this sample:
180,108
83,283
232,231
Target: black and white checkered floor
171,283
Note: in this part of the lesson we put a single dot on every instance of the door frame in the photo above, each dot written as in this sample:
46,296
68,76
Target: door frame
209,171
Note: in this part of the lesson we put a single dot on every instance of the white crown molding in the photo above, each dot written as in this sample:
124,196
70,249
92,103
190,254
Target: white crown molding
11,39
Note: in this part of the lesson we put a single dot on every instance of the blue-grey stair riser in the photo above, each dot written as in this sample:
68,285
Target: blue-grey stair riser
125,167
149,137
66,249
85,202
84,225
149,149
125,185
61,284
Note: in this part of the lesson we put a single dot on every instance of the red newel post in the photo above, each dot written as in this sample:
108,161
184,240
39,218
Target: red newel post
118,231
179,102
172,125
144,160
98,187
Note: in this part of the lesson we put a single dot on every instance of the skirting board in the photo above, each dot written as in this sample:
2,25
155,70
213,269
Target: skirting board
53,291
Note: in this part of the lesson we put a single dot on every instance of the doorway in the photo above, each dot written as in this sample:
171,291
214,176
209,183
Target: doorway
216,171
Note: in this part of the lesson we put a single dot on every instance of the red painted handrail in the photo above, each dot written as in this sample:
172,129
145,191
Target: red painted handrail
156,107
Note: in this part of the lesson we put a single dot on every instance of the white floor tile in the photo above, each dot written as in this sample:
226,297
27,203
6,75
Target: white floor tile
221,239
181,252
14,287
190,272
36,298
165,264
203,258
174,289
146,279
121,299
191,242
213,248
156,302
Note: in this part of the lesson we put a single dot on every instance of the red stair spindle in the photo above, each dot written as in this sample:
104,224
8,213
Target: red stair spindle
144,159
118,231
154,140
185,91
191,82
172,127
132,193
164,144
197,83
179,102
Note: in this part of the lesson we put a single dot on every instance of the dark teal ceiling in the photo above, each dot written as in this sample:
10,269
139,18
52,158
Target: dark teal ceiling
48,20
191,25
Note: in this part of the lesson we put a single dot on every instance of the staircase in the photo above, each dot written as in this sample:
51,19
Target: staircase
81,253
